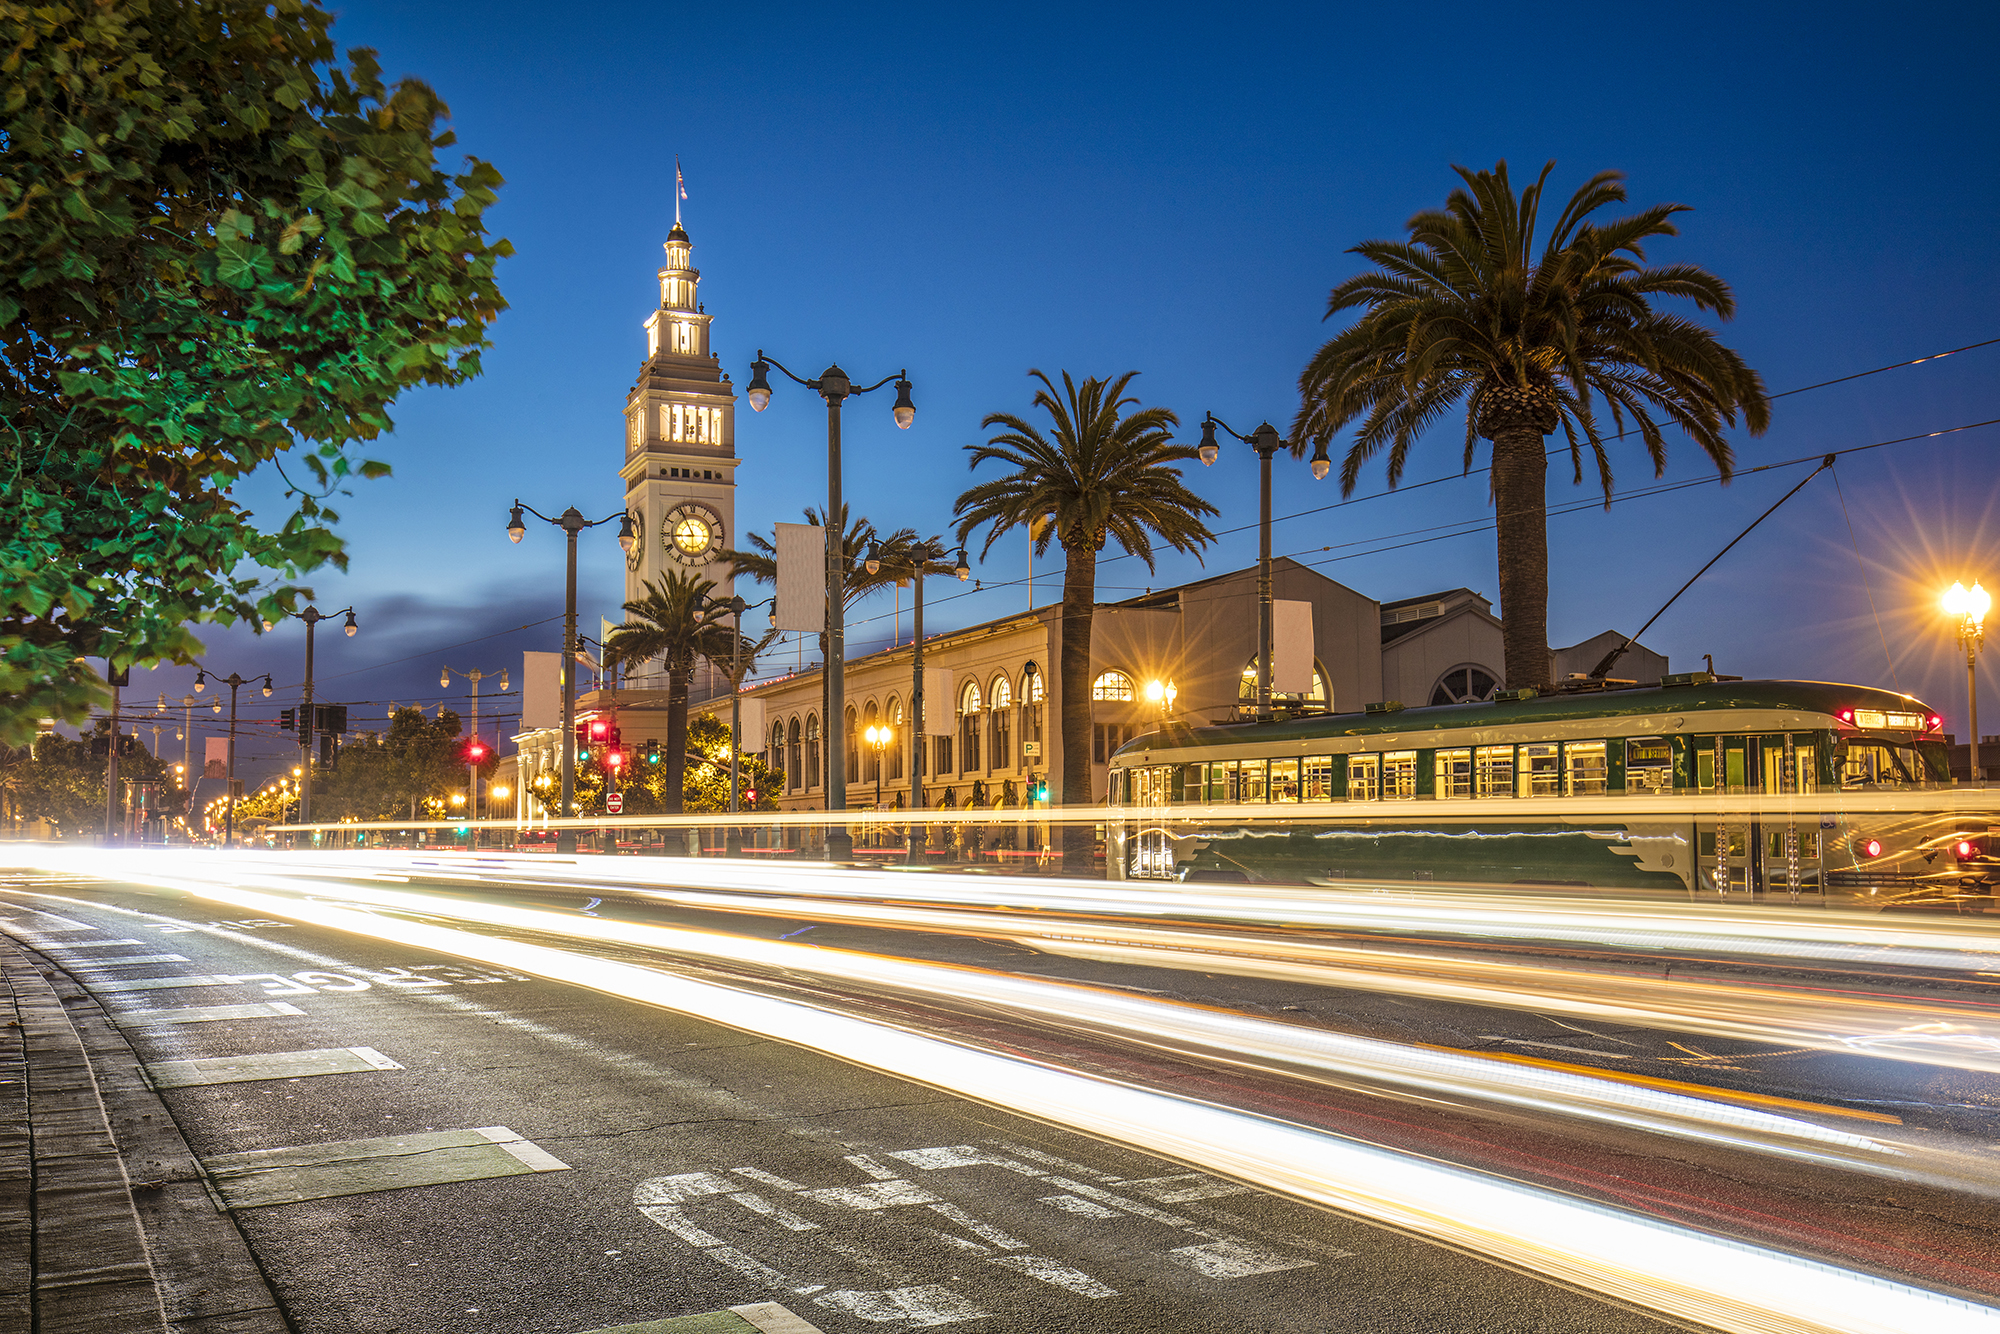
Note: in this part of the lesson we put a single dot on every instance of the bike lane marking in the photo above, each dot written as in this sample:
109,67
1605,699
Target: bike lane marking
753,1318
203,1014
292,1175
196,1071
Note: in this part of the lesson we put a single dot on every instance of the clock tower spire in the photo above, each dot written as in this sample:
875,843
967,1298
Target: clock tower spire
680,437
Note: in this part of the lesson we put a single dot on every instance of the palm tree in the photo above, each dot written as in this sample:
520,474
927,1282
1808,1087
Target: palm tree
676,621
1465,311
1101,472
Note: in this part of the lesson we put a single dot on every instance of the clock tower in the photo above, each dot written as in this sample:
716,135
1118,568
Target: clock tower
680,439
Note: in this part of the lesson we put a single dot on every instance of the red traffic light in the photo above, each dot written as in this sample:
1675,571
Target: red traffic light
475,751
600,728
614,759
750,795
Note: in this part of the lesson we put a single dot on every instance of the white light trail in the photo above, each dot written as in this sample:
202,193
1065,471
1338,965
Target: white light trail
1728,1285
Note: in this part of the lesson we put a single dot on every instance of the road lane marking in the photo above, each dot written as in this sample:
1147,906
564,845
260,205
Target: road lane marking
1186,1187
202,1014
264,1177
1230,1258
755,1318
268,1065
1558,1046
86,964
162,983
1057,1274
67,945
918,1308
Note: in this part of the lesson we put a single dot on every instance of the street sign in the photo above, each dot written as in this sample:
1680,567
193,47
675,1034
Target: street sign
614,802
1031,749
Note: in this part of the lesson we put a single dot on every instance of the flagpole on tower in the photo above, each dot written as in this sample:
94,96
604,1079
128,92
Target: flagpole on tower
680,189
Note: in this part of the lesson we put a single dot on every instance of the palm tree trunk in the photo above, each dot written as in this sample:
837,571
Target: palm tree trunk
1520,498
1079,604
677,734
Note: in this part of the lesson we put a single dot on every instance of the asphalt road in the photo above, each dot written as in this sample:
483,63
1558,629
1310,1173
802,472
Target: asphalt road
410,1142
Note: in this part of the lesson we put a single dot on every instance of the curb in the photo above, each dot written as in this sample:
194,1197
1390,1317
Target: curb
200,1276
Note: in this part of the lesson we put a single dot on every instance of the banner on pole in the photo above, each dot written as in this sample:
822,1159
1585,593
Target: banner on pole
541,691
938,705
215,751
1291,648
801,603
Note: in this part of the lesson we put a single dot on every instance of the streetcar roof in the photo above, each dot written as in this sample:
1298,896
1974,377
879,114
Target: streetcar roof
1822,697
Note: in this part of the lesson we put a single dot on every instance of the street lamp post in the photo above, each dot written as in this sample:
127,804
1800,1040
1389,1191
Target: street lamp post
472,766
1266,441
572,523
235,683
1970,607
1163,693
834,386
732,842
878,738
312,616
921,555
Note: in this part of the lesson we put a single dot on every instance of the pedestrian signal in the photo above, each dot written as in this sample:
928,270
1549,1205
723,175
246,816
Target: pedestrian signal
614,760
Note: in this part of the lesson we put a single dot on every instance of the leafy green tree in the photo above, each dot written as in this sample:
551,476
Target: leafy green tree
676,622
57,779
704,780
218,245
412,768
1101,472
1465,311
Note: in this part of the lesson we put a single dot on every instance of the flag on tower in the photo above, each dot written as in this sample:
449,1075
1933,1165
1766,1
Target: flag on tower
680,182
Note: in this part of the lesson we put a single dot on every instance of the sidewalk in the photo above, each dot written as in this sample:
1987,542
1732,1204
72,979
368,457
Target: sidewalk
78,1122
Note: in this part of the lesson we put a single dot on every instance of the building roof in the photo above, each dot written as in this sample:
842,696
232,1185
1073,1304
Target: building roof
1408,615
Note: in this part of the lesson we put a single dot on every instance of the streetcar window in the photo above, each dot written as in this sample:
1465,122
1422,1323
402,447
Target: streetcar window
1704,769
1399,774
1222,782
1253,780
1539,774
1808,844
1649,764
1454,774
1317,773
1586,776
1493,771
1808,762
1192,778
1284,780
1878,764
1364,777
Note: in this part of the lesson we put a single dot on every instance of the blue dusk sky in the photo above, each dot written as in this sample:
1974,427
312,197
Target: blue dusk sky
974,191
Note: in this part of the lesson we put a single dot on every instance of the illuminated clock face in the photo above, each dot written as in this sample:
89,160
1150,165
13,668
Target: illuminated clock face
691,533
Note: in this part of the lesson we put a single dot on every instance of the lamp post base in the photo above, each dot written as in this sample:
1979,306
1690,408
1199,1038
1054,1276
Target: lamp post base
839,845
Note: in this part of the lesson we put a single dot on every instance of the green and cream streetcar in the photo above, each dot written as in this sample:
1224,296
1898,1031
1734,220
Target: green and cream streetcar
1696,786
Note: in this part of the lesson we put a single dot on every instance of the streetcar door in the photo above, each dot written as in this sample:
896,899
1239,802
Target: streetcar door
1729,851
1153,858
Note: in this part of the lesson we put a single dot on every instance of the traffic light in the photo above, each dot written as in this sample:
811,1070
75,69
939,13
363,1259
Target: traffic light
100,747
600,731
614,760
289,720
330,718
750,797
475,751
583,738
652,751
1038,789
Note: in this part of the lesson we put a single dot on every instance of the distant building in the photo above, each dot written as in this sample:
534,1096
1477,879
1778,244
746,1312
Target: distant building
1960,759
1000,710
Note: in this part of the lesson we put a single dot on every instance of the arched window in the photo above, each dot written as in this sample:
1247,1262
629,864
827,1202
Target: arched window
1464,684
871,755
968,727
1031,717
1113,685
813,770
776,758
892,713
1319,694
852,768
1000,724
794,760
